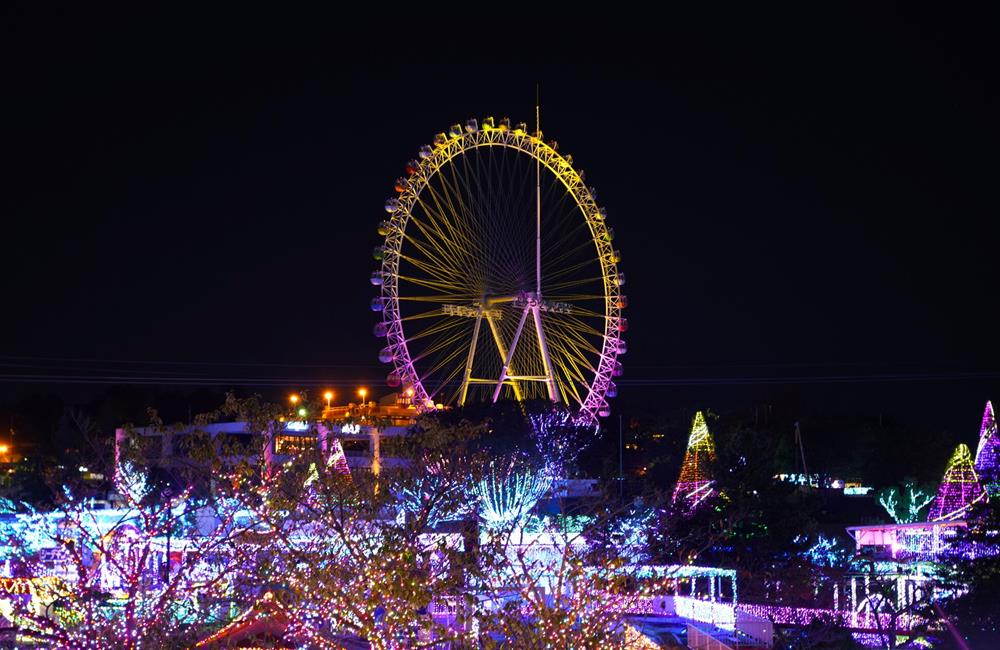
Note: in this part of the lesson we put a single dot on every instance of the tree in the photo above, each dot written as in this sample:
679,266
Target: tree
905,503
365,550
112,582
974,607
884,607
564,583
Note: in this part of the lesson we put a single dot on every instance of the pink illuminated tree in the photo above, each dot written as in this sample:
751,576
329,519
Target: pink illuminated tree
988,453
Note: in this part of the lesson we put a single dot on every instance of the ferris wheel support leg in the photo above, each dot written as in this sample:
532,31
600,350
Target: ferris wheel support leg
503,352
543,349
472,356
510,354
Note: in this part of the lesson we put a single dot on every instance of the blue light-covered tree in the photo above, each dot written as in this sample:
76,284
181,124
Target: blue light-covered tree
508,491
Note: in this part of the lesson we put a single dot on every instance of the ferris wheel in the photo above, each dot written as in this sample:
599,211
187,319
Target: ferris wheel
499,278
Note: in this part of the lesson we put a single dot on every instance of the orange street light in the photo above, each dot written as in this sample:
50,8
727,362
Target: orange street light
363,392
4,449
328,395
293,398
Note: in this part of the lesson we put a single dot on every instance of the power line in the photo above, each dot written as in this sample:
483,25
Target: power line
183,363
658,382
809,379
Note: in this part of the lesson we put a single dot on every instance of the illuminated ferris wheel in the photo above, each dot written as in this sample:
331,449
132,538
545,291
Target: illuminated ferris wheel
499,279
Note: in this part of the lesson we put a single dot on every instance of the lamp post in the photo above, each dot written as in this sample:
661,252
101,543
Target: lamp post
167,494
328,396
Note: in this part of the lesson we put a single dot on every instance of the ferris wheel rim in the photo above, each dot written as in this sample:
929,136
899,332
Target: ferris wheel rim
430,163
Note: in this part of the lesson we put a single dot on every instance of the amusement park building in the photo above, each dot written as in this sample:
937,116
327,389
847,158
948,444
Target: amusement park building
360,428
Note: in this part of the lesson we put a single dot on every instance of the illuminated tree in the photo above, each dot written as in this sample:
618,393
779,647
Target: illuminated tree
695,483
559,438
508,491
556,588
363,551
974,608
119,582
883,607
905,504
988,453
959,489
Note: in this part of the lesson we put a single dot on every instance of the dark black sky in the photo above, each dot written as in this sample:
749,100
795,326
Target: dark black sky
795,195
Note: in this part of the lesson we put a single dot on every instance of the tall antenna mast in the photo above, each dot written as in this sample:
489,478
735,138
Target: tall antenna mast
538,202
802,451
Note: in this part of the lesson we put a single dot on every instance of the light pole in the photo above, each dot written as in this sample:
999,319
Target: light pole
167,494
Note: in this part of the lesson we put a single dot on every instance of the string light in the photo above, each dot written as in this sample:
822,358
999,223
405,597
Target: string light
959,489
988,453
695,482
507,494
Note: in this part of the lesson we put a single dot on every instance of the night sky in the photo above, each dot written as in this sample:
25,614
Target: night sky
795,196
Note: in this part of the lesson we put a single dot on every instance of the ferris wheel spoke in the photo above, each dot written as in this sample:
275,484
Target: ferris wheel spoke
576,291
571,270
570,375
431,247
451,377
575,324
433,313
579,311
496,212
577,346
443,287
443,217
556,261
438,331
436,238
575,300
440,273
564,280
445,298
443,231
442,341
572,337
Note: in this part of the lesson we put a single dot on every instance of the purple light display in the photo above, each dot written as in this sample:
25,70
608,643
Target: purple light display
988,453
960,488
803,616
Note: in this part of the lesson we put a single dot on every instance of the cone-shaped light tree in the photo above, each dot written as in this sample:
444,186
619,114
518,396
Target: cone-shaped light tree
695,483
959,490
988,453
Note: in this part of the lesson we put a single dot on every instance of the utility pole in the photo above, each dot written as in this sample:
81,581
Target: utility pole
802,451
538,200
621,464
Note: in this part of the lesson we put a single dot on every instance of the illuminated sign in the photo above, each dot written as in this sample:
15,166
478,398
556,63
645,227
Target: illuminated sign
350,428
857,491
296,426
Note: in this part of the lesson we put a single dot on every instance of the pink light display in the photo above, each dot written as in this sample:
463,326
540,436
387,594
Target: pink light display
988,453
959,490
803,616
695,482
338,460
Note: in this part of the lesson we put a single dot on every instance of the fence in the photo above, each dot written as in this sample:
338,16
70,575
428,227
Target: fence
698,640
